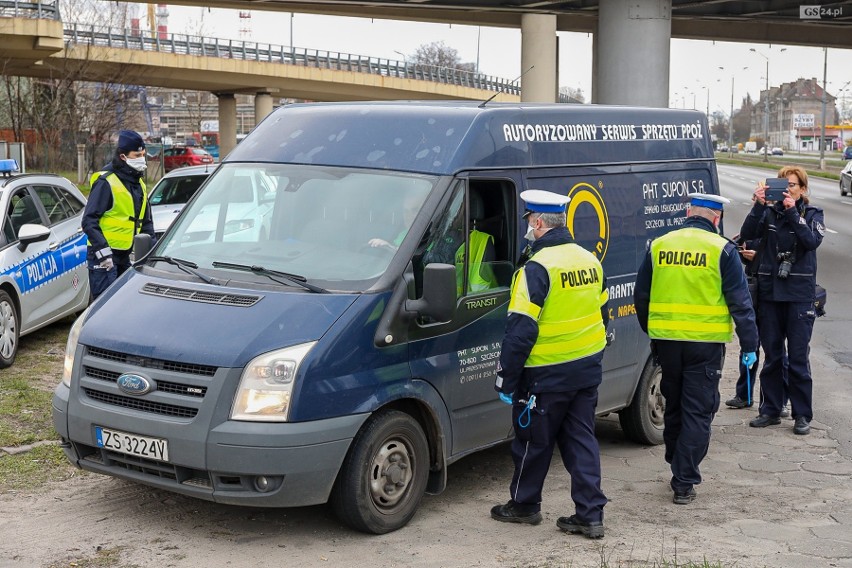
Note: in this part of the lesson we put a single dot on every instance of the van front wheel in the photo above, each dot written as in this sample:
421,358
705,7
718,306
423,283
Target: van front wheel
642,421
384,475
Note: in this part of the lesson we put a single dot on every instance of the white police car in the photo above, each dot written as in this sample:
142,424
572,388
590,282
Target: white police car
43,275
173,191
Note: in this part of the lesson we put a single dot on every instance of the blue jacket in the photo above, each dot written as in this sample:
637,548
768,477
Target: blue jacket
798,230
522,332
100,201
734,288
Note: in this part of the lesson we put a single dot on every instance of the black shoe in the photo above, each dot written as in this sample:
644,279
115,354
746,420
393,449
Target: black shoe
802,427
684,497
573,525
763,421
737,402
513,512
785,412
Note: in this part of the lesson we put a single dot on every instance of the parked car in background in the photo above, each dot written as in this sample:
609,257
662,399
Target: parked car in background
846,179
43,274
776,151
847,153
173,191
182,156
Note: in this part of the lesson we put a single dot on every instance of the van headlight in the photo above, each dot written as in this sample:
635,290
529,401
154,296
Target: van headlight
267,383
71,348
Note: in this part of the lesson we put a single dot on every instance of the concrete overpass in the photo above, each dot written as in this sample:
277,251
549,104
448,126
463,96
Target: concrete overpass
41,46
631,37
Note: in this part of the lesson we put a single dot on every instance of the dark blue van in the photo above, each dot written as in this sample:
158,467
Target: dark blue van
313,327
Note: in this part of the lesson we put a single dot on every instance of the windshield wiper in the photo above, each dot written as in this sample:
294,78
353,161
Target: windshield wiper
187,266
292,279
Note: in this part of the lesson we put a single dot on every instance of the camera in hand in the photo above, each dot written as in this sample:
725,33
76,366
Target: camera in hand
775,188
786,260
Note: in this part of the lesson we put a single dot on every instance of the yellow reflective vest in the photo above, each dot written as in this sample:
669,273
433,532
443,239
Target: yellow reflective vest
480,276
570,325
118,224
687,303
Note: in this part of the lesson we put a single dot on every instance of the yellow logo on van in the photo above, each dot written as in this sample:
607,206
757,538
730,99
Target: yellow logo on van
582,196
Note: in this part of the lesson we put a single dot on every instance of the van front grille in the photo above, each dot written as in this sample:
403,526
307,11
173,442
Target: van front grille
162,386
173,366
141,404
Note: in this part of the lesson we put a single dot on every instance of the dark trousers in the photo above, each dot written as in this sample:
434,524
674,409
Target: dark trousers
690,383
100,279
566,419
785,332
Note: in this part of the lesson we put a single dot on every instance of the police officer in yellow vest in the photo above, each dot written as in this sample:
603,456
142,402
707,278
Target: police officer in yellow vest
550,369
689,287
116,211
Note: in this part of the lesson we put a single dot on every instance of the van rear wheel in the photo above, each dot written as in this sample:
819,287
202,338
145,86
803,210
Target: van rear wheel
642,421
384,475
9,331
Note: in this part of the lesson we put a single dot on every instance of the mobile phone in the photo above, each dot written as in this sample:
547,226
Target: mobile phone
775,188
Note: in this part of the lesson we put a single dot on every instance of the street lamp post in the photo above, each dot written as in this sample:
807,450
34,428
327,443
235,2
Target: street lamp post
731,118
822,134
766,107
404,60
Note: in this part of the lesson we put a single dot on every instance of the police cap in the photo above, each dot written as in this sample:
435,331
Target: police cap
540,201
708,200
130,141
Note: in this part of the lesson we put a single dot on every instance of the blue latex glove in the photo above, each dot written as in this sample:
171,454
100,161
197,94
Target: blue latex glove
749,359
506,398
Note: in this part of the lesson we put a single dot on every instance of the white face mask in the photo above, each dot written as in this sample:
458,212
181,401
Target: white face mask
530,235
137,164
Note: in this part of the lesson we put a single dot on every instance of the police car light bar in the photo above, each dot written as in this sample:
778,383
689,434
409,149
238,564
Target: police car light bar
7,167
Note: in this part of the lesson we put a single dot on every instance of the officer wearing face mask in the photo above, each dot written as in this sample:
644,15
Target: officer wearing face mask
551,366
116,211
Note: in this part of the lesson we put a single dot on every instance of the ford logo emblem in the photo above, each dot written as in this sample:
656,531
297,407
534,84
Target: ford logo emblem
134,384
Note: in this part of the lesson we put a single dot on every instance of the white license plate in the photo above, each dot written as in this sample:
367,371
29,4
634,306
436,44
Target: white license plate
142,446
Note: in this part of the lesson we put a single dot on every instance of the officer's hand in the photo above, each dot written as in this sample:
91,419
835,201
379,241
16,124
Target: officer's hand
107,263
749,358
506,398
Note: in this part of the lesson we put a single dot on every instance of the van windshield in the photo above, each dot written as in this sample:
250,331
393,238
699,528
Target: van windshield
338,228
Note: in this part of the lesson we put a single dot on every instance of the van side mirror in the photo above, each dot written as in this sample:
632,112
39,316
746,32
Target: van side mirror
31,233
439,293
142,245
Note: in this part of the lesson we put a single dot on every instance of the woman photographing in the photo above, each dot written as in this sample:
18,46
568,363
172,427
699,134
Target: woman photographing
790,230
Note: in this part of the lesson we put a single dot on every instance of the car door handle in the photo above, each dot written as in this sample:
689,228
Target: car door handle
53,246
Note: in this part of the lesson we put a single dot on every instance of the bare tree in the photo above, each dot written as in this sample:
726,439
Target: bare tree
574,95
440,54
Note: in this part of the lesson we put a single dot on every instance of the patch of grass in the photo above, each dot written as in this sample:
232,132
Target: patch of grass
26,390
102,558
32,469
27,386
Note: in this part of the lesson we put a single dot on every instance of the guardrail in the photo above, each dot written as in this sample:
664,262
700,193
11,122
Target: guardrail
47,10
183,44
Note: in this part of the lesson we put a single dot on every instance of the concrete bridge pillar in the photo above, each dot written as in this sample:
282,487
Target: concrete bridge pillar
262,106
631,53
227,123
538,49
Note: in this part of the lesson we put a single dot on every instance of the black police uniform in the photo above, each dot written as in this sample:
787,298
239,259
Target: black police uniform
787,310
98,203
564,414
691,370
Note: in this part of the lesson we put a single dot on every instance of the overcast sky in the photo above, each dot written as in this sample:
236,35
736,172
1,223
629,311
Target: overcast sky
694,64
